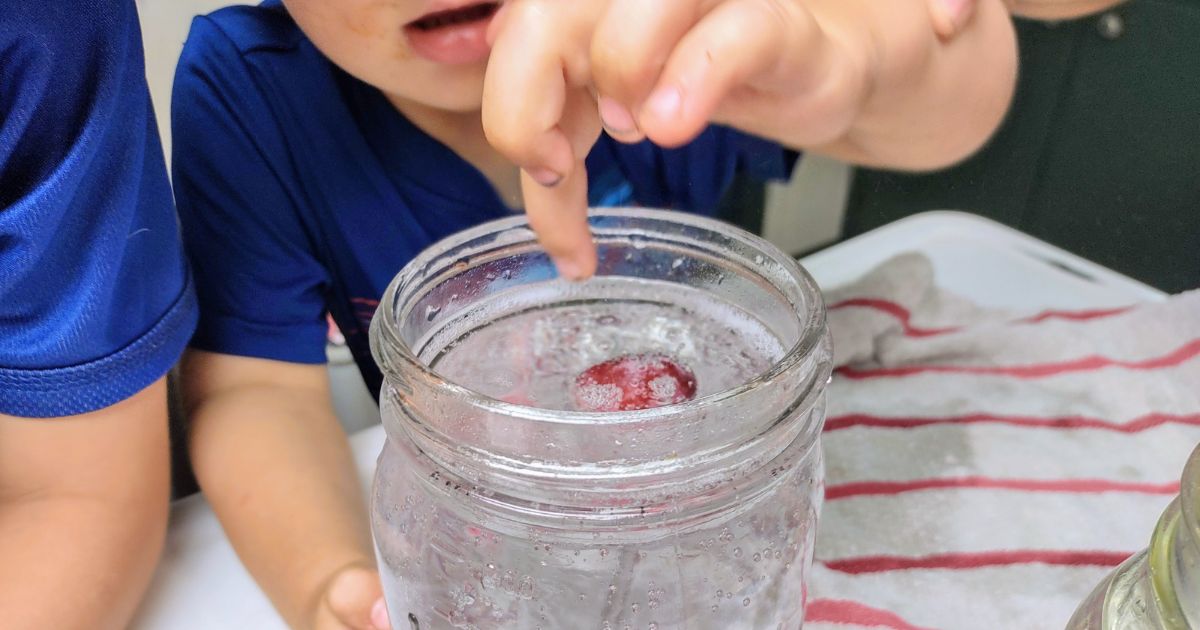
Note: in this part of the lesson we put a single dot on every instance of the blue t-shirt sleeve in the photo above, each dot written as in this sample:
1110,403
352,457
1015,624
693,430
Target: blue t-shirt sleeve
694,177
95,297
261,286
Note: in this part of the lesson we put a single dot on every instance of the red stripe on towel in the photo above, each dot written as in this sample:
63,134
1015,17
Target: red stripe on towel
960,561
841,611
1142,423
1032,371
905,316
897,311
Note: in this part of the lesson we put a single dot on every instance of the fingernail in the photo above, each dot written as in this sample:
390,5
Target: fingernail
545,177
379,615
665,102
569,269
615,116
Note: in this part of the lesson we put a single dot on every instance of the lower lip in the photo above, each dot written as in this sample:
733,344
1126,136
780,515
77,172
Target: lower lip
455,44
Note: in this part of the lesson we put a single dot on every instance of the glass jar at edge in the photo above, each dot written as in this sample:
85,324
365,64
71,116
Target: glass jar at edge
1159,587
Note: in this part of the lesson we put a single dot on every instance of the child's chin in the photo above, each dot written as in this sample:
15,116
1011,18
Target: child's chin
450,96
465,99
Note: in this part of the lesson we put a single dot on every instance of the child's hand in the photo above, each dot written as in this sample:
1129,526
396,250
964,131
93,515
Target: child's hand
797,71
353,600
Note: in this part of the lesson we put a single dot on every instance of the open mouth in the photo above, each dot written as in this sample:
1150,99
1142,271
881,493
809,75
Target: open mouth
456,17
453,36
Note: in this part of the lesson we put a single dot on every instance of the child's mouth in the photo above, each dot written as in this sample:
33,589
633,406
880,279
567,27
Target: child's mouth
454,36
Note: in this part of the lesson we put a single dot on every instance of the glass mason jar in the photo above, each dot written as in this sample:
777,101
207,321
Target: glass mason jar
701,514
1158,588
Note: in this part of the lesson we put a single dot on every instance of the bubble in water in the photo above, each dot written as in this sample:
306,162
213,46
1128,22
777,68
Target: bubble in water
714,608
604,554
737,552
653,625
746,602
757,557
726,535
526,589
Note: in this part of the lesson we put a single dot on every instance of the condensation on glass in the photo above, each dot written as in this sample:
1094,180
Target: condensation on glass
490,514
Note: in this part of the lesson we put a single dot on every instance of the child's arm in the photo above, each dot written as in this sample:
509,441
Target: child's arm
83,510
95,307
274,462
1058,9
870,82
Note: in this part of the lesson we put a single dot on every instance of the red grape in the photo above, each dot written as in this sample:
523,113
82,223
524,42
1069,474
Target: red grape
632,382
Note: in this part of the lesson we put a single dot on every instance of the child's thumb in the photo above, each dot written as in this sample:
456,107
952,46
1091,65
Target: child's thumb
355,598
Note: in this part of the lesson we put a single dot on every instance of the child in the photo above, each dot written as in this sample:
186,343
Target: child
1098,154
320,145
96,305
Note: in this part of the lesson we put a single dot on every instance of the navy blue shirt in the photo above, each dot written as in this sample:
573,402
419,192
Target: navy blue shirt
95,298
303,190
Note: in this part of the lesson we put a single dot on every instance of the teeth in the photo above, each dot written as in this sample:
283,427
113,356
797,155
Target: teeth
458,16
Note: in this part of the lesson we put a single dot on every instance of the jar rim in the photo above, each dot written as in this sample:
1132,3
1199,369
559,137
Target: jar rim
395,356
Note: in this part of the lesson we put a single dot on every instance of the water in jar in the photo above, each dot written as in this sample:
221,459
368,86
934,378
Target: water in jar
455,554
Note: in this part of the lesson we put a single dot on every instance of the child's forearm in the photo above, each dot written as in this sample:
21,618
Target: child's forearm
73,562
83,511
275,464
927,102
1058,9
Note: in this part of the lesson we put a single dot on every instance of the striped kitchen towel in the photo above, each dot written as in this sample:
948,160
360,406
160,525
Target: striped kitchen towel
987,469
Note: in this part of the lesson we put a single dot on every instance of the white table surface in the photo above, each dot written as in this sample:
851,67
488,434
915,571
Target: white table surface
201,585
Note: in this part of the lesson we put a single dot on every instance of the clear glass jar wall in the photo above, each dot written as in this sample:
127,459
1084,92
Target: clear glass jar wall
1158,588
698,515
